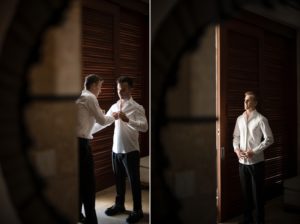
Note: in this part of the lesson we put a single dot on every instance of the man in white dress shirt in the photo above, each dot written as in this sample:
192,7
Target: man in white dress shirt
252,135
130,119
90,120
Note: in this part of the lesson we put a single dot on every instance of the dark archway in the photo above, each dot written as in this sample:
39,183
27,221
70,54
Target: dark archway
20,49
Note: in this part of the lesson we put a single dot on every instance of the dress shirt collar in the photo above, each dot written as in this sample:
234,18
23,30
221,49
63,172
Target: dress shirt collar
125,102
87,92
251,115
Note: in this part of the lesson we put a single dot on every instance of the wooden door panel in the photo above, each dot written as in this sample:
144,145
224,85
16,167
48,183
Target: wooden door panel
113,43
260,59
131,51
132,61
241,73
99,50
279,103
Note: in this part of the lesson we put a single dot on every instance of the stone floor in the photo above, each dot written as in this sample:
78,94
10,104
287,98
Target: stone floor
275,212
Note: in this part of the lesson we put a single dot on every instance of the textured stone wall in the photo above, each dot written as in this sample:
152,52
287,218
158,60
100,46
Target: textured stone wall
191,147
54,83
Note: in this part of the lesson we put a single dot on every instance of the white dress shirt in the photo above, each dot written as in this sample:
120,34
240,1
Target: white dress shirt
89,114
248,135
126,134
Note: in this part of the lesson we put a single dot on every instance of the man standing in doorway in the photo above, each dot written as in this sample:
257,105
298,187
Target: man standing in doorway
90,119
249,147
130,119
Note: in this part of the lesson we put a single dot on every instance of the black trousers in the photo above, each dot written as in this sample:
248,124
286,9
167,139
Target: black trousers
127,163
252,182
87,188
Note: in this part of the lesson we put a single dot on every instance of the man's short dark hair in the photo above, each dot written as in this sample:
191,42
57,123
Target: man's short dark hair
124,79
91,79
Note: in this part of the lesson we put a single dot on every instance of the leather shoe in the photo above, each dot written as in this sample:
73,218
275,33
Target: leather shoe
135,216
115,209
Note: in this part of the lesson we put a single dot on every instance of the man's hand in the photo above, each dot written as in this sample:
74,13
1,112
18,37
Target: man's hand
115,115
249,153
123,116
240,154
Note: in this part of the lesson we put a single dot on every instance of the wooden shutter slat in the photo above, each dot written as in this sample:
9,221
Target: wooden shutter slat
112,44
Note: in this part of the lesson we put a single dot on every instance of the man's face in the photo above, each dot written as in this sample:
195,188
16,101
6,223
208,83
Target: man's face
249,103
96,88
124,91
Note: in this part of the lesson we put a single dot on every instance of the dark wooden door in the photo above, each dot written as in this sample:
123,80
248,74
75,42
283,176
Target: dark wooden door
114,43
258,55
134,57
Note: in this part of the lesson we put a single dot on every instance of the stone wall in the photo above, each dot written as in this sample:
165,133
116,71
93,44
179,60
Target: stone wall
54,83
191,147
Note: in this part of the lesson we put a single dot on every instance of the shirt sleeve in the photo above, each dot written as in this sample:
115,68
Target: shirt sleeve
267,134
139,120
110,111
98,127
96,111
236,136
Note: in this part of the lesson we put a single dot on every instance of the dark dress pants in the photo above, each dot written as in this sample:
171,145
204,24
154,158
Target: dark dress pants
252,182
127,163
87,189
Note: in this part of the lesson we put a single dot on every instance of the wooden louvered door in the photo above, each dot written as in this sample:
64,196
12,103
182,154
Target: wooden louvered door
279,104
134,61
113,43
239,57
100,56
258,55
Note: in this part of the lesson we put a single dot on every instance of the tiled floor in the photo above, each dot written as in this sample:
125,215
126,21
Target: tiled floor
106,198
275,214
